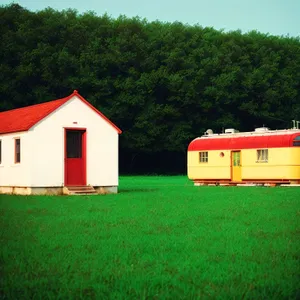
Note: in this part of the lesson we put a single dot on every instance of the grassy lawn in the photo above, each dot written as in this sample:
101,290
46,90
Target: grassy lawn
159,238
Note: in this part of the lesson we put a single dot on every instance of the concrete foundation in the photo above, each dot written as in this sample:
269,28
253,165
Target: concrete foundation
106,189
19,190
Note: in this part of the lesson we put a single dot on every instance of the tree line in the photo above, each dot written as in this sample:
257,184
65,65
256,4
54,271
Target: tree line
162,83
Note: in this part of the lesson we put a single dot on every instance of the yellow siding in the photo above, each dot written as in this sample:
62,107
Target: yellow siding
271,172
216,168
283,163
277,156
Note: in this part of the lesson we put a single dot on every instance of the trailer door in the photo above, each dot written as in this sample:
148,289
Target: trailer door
236,169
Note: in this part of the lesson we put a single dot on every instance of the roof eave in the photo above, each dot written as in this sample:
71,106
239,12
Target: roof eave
75,93
14,131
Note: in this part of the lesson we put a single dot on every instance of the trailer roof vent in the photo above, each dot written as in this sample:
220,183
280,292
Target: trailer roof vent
262,129
231,130
208,132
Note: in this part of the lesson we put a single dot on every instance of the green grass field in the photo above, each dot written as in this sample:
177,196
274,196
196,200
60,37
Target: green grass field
159,238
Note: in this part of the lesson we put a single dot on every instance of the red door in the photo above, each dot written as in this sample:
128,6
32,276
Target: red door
75,161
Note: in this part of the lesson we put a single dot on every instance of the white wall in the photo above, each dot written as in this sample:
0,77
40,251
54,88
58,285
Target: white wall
12,174
48,152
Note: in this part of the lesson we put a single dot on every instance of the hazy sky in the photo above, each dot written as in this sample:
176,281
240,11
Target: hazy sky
276,17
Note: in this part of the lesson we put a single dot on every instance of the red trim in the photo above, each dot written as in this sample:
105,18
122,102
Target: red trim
65,155
75,93
246,142
22,119
245,181
211,180
84,155
84,152
268,180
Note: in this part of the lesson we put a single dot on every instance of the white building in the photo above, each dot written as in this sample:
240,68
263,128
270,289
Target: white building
63,146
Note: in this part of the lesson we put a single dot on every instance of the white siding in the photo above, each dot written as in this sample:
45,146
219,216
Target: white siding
12,174
48,148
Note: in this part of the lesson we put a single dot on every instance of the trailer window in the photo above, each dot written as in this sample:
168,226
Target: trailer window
262,155
203,157
296,141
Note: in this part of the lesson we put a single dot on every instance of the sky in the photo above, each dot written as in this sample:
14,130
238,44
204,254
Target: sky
275,17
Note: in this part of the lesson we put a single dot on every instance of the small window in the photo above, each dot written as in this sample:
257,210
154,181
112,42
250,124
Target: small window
17,151
236,158
0,152
262,155
296,142
203,157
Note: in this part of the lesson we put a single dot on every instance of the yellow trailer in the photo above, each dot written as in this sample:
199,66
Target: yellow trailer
266,156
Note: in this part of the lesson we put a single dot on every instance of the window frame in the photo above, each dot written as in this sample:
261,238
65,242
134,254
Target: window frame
236,158
203,157
262,155
296,141
16,153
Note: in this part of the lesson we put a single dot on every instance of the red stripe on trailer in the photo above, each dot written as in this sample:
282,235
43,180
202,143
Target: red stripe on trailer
245,142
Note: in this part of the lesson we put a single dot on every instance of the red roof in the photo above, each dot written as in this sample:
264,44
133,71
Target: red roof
22,119
245,142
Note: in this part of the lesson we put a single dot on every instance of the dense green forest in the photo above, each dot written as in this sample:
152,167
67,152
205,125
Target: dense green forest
163,84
